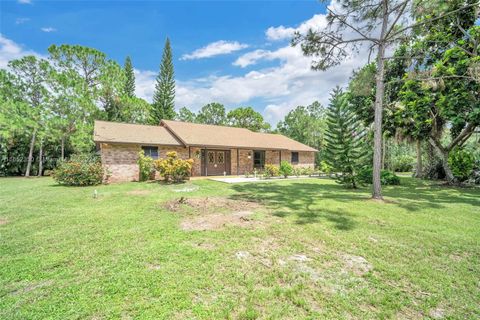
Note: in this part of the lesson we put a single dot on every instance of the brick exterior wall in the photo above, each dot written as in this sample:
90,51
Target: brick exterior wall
120,160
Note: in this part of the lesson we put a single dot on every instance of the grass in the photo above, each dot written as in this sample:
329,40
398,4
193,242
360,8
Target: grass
66,255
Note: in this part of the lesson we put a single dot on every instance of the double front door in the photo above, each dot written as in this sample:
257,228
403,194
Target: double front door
216,162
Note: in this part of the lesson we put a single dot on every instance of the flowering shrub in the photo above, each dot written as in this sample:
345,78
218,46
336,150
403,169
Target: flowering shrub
79,170
286,169
270,170
145,166
173,168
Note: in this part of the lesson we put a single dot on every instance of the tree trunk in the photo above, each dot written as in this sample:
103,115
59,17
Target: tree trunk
63,147
419,168
30,153
443,155
380,92
384,152
40,160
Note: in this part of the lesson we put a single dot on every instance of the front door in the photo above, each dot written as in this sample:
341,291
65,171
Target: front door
216,162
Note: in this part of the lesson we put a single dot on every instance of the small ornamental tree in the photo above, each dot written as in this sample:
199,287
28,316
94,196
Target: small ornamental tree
286,169
344,140
172,168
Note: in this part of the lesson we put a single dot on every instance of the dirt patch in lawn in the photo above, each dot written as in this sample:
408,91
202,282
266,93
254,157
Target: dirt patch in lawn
218,221
356,264
139,192
211,204
212,213
3,221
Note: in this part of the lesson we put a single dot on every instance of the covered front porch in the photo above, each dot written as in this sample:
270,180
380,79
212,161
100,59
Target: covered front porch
236,161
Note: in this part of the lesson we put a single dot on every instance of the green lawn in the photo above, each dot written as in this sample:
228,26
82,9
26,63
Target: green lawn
312,250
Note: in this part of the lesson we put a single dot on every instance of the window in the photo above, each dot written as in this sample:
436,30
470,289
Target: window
220,157
150,151
211,157
258,159
294,157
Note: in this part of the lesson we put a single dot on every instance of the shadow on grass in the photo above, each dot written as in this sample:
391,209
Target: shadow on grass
304,200
415,195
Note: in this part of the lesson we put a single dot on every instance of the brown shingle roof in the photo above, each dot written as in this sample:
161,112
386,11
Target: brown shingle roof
105,131
194,134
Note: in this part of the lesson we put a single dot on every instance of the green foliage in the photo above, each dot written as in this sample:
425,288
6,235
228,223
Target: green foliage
298,171
325,167
343,140
79,170
306,125
212,113
145,166
164,95
270,170
386,177
172,168
184,114
309,171
462,163
402,163
286,169
129,89
247,118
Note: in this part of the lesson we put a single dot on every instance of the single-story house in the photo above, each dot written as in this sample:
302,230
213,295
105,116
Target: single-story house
216,150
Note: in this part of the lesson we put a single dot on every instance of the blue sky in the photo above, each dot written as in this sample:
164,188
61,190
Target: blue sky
233,52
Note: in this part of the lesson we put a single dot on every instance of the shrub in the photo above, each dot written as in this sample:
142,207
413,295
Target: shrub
270,170
297,172
386,177
308,171
402,163
286,169
325,167
462,164
173,168
145,166
79,170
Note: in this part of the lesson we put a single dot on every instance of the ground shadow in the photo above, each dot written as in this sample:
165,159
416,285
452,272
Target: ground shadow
300,200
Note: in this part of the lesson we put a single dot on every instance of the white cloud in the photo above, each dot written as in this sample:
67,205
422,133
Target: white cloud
317,22
21,20
9,50
281,88
144,84
215,49
25,1
48,29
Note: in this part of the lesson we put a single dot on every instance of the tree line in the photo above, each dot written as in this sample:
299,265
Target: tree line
48,105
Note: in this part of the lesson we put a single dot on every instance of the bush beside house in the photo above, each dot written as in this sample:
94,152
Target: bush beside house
172,168
79,170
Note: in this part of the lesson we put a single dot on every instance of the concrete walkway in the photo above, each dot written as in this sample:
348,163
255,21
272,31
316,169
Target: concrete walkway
252,179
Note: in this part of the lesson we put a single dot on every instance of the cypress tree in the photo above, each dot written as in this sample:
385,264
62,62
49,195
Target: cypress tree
164,95
130,78
344,140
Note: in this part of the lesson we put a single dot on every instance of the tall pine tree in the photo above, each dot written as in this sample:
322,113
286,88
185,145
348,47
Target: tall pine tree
164,95
343,140
130,78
